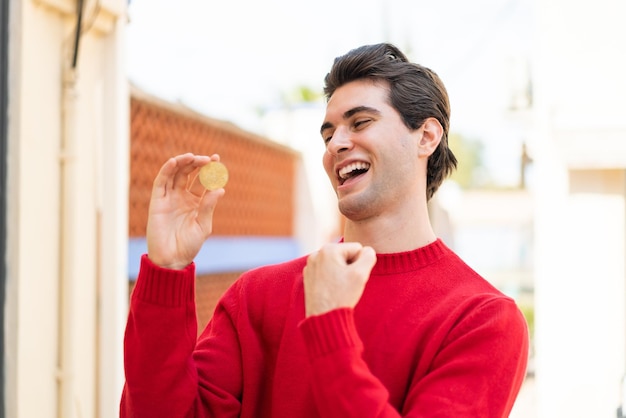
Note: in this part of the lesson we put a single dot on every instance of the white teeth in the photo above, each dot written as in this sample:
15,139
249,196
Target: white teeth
343,173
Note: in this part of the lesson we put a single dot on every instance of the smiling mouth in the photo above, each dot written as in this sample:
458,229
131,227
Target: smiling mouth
352,170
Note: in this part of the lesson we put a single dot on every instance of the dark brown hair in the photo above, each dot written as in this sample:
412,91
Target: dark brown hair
416,92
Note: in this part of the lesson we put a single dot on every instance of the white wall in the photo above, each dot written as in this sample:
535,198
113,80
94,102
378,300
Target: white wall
66,284
579,148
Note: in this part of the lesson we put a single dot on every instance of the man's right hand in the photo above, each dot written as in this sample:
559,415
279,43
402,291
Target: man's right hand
180,218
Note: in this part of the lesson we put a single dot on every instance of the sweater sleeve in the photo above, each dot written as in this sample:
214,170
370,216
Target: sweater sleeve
477,372
161,368
480,366
342,383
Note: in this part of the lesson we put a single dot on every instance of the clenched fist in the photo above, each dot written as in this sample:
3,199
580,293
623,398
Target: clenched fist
335,276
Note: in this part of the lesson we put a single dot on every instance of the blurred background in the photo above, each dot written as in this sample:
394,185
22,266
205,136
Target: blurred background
97,94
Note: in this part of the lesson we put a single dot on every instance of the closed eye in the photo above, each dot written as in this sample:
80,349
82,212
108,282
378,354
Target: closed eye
361,123
327,134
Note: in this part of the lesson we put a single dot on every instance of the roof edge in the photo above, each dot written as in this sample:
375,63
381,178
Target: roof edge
184,110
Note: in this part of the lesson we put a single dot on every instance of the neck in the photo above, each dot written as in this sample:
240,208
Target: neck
394,233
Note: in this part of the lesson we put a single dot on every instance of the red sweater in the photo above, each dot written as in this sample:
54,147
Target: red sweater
429,338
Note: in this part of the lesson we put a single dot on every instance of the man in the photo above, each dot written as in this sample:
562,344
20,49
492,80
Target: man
388,322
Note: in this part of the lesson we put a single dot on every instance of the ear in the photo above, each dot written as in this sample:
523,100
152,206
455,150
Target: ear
432,131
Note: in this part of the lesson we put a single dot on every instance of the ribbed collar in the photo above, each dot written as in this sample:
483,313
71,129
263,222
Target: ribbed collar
394,263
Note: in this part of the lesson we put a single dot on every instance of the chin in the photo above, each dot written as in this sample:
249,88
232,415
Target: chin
355,211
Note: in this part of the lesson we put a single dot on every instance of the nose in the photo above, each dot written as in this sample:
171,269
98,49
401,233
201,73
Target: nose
340,142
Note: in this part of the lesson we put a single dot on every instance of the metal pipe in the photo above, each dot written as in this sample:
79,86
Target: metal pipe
68,239
67,245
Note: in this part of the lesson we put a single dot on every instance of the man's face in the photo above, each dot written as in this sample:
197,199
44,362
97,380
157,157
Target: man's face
371,156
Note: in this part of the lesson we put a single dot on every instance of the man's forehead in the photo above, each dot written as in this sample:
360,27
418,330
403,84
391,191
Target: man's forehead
359,93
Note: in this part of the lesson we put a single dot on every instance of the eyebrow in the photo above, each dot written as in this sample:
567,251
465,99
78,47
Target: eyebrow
349,113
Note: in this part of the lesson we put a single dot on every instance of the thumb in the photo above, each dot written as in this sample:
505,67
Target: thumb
207,207
364,260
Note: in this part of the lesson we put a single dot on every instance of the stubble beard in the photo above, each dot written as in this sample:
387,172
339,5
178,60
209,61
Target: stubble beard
361,206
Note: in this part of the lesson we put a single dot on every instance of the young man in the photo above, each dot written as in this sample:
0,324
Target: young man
388,322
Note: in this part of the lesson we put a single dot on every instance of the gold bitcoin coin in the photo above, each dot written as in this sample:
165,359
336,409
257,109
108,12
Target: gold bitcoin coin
213,176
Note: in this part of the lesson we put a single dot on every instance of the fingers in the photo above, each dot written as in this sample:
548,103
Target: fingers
207,207
193,184
186,164
365,260
162,181
336,276
350,253
354,251
175,174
